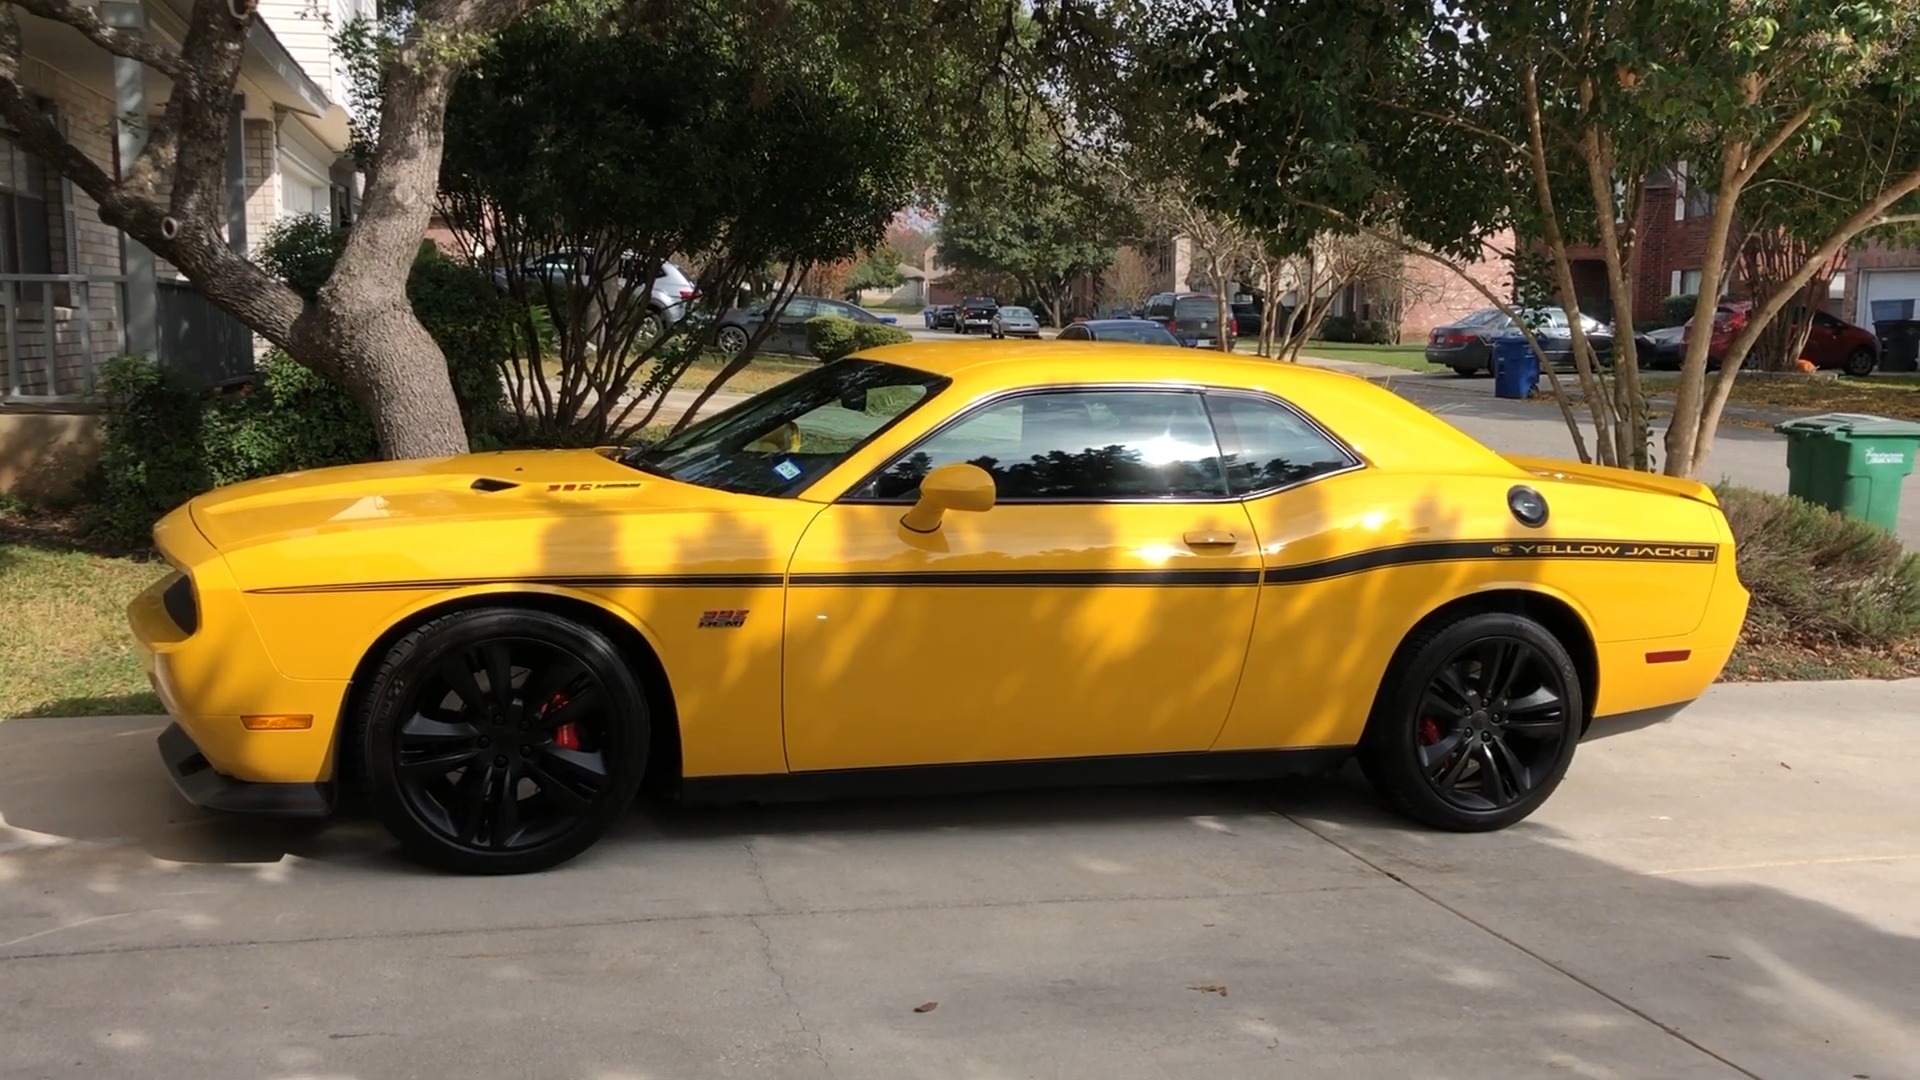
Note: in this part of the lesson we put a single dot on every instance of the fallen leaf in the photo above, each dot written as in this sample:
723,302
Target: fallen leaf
1786,766
1210,988
1717,956
928,1007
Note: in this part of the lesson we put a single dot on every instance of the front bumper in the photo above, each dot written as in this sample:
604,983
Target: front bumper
202,785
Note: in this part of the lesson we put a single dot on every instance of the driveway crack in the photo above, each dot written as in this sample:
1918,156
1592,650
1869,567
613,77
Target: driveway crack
780,977
1663,1026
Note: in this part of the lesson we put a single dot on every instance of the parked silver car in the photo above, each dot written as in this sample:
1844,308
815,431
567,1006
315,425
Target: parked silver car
1014,322
547,276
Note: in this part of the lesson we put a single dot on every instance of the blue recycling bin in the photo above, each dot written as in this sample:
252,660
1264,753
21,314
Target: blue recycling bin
1516,371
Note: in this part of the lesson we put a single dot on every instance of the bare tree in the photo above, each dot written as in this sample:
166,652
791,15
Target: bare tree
171,197
1130,280
1332,262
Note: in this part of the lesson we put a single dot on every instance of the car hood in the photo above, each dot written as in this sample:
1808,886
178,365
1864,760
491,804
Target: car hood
471,487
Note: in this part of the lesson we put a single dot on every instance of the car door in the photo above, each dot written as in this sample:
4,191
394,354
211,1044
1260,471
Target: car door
1101,607
1824,341
790,331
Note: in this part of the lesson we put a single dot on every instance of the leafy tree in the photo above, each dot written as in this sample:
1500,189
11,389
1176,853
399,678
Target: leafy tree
171,196
878,269
1461,120
1040,223
689,151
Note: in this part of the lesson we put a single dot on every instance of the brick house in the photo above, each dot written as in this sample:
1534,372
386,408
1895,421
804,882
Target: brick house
1877,282
74,292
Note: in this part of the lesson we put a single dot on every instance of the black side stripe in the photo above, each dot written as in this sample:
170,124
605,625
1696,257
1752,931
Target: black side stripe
1017,578
1341,566
1489,550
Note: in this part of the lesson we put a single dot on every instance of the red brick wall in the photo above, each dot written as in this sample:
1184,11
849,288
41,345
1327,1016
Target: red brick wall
1435,295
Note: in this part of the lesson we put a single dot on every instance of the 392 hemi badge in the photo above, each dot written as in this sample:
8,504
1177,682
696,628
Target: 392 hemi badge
724,619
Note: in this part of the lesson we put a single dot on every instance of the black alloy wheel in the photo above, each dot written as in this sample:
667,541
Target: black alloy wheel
732,340
1479,724
502,740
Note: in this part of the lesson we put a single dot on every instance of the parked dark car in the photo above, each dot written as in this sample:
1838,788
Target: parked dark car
1663,348
1193,318
975,313
1467,346
1831,342
789,334
1134,331
1246,320
939,317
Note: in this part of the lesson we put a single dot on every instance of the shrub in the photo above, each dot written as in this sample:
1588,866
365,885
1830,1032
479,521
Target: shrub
1816,576
874,335
151,460
1336,328
301,251
831,337
1376,332
1678,308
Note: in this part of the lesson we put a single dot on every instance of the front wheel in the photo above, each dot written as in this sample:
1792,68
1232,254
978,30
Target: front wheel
732,340
1464,371
1476,723
501,740
1860,363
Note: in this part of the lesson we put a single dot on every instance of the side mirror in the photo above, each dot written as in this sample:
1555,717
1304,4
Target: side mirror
950,487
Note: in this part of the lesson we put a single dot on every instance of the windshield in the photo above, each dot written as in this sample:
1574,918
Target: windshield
1015,313
779,441
1148,334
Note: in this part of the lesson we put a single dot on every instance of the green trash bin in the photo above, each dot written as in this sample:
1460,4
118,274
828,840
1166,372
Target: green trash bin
1851,462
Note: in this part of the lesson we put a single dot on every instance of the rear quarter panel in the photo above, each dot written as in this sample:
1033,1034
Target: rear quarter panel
1355,562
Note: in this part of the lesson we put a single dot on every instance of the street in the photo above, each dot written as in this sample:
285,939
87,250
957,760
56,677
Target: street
1725,895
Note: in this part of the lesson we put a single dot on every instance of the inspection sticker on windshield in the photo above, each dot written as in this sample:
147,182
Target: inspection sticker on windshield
787,470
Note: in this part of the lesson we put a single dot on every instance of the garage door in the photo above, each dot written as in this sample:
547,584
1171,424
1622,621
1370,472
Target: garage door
1889,294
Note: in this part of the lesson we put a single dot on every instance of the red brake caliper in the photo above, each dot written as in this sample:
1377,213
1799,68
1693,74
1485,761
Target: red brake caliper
567,735
1429,731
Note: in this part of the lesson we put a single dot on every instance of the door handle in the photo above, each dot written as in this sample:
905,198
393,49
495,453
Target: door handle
1209,538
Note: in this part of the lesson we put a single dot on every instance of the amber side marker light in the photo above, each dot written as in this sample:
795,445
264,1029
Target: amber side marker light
276,723
1671,656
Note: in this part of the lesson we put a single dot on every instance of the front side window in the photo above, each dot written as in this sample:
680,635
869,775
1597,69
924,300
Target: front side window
801,307
1073,446
779,441
1267,445
1073,333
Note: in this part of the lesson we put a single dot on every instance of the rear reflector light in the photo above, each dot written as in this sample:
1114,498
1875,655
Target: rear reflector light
276,722
1670,656
688,294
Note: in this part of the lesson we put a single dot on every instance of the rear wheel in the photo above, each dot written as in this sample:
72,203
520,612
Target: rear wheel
1860,363
1476,723
1464,371
502,741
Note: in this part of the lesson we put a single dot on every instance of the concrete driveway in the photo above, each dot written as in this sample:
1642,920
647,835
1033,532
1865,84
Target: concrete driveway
1729,895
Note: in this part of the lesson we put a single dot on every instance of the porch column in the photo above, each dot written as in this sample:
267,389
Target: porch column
141,312
237,176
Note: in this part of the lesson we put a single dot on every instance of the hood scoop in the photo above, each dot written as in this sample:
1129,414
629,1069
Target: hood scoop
488,483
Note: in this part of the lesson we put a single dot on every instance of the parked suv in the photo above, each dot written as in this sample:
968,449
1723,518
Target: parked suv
1192,318
975,313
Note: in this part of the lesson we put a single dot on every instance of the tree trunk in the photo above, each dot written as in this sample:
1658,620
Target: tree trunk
386,358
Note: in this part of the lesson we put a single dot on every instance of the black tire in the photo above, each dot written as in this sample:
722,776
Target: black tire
1465,372
732,339
1447,713
1860,362
652,325
425,734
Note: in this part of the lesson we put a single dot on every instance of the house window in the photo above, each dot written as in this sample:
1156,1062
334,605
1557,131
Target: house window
1686,283
1691,199
26,245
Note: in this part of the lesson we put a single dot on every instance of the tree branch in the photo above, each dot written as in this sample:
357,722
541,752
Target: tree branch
118,42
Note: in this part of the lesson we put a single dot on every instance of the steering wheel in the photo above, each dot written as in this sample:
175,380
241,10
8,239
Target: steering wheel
784,439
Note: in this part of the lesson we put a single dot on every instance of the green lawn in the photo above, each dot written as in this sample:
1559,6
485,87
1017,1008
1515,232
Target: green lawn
1881,395
67,650
1411,357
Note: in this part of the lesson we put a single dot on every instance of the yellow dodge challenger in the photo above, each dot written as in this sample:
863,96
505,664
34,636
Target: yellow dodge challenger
924,567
